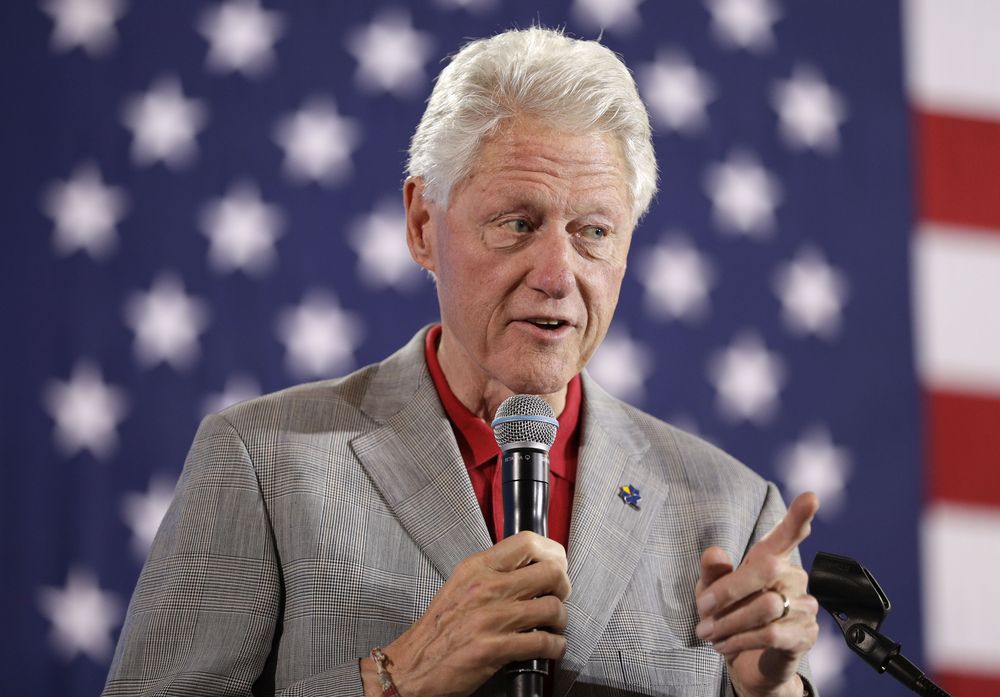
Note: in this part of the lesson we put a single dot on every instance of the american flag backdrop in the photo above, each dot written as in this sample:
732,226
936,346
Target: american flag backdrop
201,204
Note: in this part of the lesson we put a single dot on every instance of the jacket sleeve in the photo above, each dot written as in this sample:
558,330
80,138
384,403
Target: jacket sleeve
205,611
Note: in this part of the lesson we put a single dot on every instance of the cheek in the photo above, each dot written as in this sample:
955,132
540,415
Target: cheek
466,291
603,292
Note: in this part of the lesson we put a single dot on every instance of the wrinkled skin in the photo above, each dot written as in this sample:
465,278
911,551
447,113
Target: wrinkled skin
540,230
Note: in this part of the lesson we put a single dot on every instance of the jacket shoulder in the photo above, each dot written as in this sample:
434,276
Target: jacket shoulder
369,394
692,459
303,411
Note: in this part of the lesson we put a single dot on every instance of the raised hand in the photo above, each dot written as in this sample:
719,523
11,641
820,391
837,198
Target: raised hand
760,617
478,621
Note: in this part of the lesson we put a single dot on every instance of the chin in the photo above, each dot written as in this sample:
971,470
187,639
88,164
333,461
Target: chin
540,381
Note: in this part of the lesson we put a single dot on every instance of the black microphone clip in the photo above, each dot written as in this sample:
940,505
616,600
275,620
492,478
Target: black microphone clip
849,592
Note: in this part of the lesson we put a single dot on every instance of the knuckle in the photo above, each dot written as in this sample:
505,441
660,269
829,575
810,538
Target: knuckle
472,593
552,551
551,645
551,606
771,633
806,637
561,557
770,568
484,590
732,646
723,627
800,577
813,631
723,598
773,606
811,604
559,648
533,539
562,618
566,588
551,568
523,541
553,576
723,592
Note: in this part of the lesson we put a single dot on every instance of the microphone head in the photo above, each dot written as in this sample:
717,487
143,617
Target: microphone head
525,418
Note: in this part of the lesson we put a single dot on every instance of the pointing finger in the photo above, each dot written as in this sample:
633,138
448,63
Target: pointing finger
792,529
766,561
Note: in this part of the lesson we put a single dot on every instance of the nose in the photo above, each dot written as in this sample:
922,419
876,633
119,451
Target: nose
552,260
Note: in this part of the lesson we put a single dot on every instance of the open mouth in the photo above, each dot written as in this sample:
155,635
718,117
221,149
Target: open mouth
548,324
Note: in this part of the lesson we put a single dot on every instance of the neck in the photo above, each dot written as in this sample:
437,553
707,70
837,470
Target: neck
478,392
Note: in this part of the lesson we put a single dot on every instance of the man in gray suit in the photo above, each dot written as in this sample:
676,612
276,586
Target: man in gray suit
338,538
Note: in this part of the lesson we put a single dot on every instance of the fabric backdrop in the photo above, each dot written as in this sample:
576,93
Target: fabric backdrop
201,203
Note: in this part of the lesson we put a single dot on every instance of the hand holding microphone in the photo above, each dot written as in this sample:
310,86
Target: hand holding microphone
482,618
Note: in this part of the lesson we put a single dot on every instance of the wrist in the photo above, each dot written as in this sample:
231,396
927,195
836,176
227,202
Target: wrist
376,678
369,677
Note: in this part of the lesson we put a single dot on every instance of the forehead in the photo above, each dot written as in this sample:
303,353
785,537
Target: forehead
530,158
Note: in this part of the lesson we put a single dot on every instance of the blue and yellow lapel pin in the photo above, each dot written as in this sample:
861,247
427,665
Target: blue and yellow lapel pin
630,495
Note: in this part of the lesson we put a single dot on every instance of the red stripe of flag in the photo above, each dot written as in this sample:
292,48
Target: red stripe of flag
958,165
964,447
967,684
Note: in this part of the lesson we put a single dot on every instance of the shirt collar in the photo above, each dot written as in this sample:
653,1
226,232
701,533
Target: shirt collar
479,435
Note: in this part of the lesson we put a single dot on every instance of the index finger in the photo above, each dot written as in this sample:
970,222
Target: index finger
794,527
765,560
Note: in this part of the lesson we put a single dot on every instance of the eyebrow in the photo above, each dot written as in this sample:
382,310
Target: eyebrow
532,205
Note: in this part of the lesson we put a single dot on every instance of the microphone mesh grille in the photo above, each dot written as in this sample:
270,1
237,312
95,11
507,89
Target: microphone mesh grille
519,431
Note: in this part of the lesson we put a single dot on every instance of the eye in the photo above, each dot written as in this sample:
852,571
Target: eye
594,233
518,225
508,233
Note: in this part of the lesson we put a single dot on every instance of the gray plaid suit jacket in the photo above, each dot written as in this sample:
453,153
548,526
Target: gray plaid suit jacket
315,523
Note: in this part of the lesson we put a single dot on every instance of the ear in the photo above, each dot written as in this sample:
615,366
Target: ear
420,236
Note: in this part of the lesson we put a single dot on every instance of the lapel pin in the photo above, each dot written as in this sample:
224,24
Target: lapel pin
630,495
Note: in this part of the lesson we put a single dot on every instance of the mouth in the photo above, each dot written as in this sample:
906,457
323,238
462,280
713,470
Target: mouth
548,324
547,328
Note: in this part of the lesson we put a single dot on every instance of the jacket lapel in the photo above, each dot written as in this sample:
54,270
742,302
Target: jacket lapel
414,462
606,536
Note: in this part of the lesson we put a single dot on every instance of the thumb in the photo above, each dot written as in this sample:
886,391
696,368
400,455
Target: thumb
519,550
715,564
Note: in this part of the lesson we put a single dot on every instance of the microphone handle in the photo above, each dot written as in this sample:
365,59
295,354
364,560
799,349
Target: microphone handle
526,507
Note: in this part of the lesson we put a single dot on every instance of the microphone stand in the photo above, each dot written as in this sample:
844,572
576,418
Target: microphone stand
851,594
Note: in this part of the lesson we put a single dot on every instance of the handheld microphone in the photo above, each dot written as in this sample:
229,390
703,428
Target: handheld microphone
525,429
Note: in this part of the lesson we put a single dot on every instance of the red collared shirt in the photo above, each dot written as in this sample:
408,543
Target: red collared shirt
481,454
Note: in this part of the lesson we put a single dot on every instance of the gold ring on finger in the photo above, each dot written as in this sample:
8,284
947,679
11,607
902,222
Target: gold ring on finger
785,605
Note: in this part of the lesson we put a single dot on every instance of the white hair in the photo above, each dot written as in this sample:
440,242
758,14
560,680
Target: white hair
574,85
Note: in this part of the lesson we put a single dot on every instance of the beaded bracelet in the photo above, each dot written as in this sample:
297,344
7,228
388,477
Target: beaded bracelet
385,680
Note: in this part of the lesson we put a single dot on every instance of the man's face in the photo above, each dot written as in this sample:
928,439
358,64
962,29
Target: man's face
529,257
